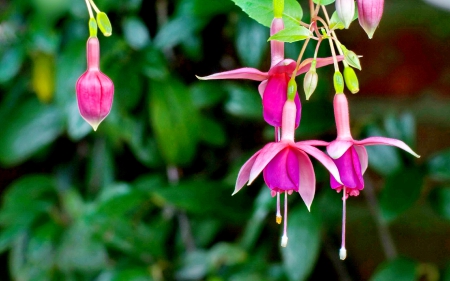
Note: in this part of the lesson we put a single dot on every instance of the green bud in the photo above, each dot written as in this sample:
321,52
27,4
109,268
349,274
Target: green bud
104,24
278,7
351,80
292,89
92,27
351,58
338,82
310,81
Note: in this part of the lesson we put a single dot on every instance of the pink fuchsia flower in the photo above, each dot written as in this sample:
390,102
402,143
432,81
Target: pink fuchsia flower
286,166
369,15
273,85
95,91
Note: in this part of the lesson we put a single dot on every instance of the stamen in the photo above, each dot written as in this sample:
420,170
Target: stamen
284,238
343,250
279,218
277,134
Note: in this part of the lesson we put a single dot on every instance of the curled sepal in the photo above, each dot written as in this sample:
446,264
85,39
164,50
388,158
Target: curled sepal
95,91
291,89
92,27
351,58
310,81
338,82
370,13
104,24
351,80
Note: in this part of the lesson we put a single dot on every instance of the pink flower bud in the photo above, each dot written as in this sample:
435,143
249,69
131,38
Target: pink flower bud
345,9
370,12
95,91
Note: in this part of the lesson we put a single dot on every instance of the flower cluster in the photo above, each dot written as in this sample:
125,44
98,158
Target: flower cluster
285,163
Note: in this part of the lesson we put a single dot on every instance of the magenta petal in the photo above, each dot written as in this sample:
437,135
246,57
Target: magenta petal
306,64
307,187
262,87
346,166
333,183
322,158
363,157
274,98
266,154
286,66
314,143
244,173
357,168
241,73
277,174
386,141
338,147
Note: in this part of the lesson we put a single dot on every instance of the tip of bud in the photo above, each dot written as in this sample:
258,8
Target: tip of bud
284,241
342,253
279,219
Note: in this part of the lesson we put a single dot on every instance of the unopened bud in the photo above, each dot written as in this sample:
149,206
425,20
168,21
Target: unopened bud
338,82
351,80
370,12
92,27
310,81
104,24
351,58
345,10
292,89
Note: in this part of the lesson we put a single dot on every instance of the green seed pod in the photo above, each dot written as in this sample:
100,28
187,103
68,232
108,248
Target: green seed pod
338,82
292,89
104,24
351,80
92,27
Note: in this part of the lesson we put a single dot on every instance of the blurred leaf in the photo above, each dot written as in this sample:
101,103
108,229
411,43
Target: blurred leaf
174,120
251,41
439,166
400,269
43,77
402,127
303,247
201,8
29,128
119,199
127,83
177,29
262,11
154,64
10,63
382,158
149,182
72,203
224,254
193,48
207,94
292,34
77,127
440,201
317,118
143,146
135,33
401,190
212,132
323,2
101,165
194,266
129,274
243,101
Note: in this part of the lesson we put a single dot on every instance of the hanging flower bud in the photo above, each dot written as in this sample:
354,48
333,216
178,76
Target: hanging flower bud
345,10
370,12
310,81
338,82
95,91
351,58
351,80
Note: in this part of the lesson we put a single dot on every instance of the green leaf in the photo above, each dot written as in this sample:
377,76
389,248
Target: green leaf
400,269
243,101
177,29
439,166
336,22
303,247
135,33
401,190
440,201
262,11
28,129
212,132
174,120
201,8
323,2
292,34
10,63
194,266
205,95
250,41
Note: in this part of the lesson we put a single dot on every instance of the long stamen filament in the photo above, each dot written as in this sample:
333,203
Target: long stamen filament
343,250
284,238
279,218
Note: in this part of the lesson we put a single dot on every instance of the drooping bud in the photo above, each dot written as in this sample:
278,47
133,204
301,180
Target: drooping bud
104,24
292,89
95,91
351,80
310,81
351,58
369,15
345,10
338,82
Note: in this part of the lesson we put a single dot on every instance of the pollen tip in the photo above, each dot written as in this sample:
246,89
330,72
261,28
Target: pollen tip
342,253
279,219
284,241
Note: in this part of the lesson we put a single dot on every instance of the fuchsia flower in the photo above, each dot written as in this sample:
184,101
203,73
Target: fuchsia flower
273,85
286,165
369,14
95,91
